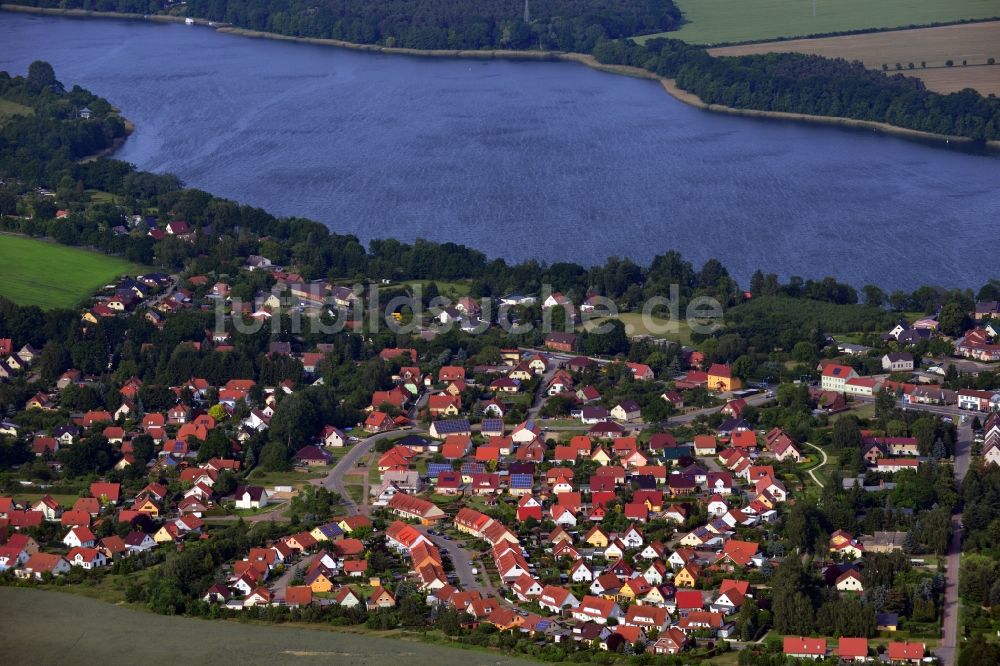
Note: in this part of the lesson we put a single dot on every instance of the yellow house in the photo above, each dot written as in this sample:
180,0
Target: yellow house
601,457
89,317
163,535
653,598
838,539
521,374
597,538
765,500
691,539
849,550
721,379
508,620
510,355
688,576
626,594
450,410
321,583
148,506
655,508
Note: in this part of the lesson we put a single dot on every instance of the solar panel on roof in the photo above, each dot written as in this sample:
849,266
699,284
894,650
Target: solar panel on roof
434,469
521,481
452,426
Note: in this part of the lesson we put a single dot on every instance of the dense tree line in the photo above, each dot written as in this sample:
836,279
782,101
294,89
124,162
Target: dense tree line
53,135
809,84
563,25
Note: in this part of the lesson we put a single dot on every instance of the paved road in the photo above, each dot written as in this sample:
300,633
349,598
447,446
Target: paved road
542,393
461,559
335,479
948,649
823,453
281,584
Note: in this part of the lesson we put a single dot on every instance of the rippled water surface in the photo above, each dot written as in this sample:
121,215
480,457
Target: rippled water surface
524,159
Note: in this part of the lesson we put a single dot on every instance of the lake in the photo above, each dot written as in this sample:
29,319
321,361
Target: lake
524,159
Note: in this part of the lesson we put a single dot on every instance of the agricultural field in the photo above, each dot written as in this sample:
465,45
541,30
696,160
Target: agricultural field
52,276
928,49
10,109
96,632
733,21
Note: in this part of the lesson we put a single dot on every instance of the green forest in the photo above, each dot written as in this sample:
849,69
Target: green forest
561,25
54,133
798,83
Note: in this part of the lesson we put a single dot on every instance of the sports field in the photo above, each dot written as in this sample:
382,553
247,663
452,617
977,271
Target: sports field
731,21
929,49
39,273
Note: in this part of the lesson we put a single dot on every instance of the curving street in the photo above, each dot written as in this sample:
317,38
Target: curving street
335,479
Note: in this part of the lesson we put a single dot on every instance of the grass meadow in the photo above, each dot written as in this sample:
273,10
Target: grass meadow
75,629
51,276
10,109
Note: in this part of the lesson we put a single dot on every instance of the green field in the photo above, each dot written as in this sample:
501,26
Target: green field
94,632
656,327
48,275
9,109
729,21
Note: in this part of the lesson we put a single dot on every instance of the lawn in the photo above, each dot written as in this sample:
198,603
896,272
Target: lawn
291,478
451,289
97,196
732,21
52,276
65,500
10,109
636,324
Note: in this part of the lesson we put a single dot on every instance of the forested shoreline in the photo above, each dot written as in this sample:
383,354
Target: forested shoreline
781,83
813,85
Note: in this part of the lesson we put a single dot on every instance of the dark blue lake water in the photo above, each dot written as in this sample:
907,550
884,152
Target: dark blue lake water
524,159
